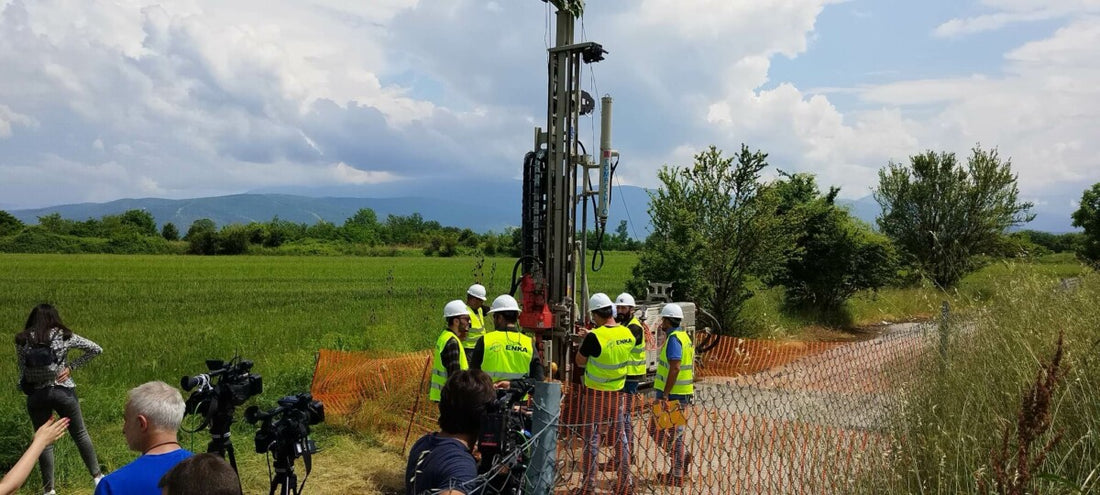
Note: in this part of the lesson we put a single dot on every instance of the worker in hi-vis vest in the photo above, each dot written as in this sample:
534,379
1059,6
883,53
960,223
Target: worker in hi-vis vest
624,315
449,356
675,382
605,356
506,354
475,307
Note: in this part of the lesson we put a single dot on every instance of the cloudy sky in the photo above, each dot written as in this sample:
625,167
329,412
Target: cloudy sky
102,100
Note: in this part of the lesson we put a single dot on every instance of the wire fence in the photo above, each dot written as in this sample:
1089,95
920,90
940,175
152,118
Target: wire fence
768,417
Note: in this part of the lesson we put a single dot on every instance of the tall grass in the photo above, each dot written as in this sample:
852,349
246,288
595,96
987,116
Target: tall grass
952,431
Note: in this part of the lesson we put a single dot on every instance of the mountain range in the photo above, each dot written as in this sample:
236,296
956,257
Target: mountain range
476,204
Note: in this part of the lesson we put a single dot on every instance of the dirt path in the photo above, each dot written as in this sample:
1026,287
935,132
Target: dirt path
806,426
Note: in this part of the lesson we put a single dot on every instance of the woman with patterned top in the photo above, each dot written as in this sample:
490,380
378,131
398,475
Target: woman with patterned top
44,375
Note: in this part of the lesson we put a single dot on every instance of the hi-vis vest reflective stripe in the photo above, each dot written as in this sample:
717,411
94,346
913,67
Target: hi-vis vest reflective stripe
608,370
637,353
508,355
685,379
477,327
439,373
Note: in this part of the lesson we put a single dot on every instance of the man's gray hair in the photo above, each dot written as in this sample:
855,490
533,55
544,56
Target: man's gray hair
161,404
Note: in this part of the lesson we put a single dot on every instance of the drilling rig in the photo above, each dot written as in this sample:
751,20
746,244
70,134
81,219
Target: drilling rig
553,285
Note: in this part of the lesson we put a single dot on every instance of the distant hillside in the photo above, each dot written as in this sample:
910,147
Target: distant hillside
491,209
475,204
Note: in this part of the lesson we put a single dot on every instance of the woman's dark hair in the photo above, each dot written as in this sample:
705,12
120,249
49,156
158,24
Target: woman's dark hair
42,320
201,474
462,401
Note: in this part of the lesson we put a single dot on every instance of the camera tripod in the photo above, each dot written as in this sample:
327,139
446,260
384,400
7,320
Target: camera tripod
285,481
220,443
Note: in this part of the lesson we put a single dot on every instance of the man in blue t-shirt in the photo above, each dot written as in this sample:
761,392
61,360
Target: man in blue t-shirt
151,420
441,462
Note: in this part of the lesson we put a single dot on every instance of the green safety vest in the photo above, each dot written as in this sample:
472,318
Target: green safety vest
439,373
477,327
685,384
508,355
607,371
637,353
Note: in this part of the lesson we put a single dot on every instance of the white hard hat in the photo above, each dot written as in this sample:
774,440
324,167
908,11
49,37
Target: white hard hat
624,299
455,308
476,290
504,302
599,300
672,310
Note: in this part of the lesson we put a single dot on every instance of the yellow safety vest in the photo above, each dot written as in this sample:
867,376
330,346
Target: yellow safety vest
477,327
607,371
637,353
439,373
508,355
685,384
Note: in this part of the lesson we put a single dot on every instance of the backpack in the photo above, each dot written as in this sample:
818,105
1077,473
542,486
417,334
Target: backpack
38,356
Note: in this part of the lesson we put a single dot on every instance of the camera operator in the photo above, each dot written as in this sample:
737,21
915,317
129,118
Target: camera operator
506,354
442,462
151,421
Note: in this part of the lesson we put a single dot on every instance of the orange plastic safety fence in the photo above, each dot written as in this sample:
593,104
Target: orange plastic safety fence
767,417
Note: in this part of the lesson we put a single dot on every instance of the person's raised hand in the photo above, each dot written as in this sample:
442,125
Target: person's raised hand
52,430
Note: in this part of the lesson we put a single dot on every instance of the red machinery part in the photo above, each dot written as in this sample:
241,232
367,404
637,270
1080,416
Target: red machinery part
536,313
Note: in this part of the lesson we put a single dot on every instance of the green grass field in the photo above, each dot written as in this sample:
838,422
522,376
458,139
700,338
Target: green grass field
160,317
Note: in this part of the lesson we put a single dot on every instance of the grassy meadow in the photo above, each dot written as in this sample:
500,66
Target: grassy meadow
160,317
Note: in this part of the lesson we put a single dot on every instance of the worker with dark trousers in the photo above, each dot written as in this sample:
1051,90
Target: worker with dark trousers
605,356
449,357
635,372
475,302
674,383
506,354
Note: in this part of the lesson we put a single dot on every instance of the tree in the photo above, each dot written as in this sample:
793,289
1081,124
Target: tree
941,214
170,232
713,232
1087,217
140,220
9,225
834,255
362,227
199,226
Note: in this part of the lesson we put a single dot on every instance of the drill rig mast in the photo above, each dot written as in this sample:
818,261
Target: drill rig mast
552,304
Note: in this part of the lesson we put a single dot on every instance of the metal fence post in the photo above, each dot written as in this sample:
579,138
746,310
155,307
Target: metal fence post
544,424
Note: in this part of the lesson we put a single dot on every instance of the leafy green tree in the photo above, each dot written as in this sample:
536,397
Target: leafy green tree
9,225
200,226
169,232
1087,217
834,255
362,227
54,224
714,232
942,215
140,220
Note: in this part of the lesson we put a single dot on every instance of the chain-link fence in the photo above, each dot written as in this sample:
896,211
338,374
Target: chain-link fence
768,417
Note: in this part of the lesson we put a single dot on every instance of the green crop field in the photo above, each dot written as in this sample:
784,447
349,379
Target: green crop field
160,317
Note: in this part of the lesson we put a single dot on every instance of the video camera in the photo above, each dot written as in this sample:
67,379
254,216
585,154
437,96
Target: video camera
505,431
236,384
215,402
284,432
